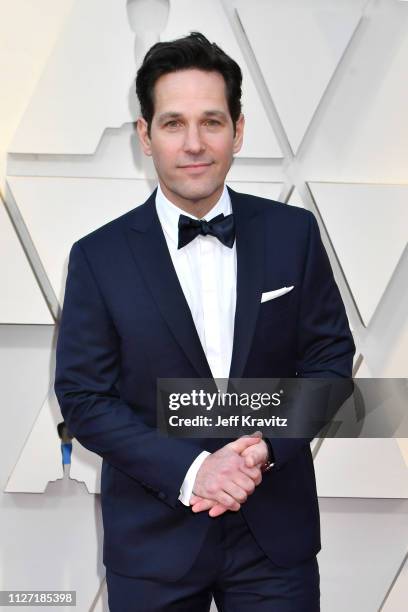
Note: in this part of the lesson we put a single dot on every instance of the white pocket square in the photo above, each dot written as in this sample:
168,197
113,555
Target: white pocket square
270,295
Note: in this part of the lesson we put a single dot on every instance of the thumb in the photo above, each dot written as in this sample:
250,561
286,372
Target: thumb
258,433
242,443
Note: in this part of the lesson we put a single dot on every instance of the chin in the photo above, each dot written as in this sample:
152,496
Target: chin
197,192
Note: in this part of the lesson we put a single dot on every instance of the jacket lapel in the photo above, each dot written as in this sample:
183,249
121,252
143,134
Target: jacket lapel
153,259
250,246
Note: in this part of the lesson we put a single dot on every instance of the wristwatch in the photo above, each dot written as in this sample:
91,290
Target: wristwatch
270,462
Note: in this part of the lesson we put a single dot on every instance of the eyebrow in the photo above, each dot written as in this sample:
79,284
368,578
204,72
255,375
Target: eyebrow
174,115
168,115
215,113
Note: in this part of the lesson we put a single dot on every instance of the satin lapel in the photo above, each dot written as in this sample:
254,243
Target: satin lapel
152,257
250,257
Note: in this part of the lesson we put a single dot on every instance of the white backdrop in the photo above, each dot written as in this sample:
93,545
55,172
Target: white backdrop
325,101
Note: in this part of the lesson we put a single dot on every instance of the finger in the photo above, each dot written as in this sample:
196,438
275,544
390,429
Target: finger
250,460
236,492
254,474
258,480
204,504
244,482
242,443
254,462
256,454
251,457
251,472
250,450
217,510
195,498
227,500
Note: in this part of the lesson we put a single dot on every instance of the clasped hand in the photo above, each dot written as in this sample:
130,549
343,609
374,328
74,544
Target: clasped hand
228,476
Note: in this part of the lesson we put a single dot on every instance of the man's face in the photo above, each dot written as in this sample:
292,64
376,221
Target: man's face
192,139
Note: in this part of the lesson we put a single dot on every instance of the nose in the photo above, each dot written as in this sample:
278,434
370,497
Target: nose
193,142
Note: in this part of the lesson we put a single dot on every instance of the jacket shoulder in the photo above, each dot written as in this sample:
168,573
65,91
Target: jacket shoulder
111,232
107,231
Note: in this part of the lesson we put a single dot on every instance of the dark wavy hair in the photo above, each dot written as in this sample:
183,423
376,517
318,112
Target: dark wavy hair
192,51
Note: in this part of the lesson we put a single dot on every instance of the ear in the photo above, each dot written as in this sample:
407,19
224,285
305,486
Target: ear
239,134
144,138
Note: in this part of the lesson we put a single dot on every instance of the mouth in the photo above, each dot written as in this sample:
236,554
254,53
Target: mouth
196,168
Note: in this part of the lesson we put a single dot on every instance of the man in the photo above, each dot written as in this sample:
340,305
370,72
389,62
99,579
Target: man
165,291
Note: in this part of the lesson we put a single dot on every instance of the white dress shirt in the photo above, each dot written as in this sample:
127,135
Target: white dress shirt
207,272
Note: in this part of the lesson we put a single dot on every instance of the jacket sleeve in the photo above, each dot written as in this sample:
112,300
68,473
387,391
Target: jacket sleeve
86,376
325,346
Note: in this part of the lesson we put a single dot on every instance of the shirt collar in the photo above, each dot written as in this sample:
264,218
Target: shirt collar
169,213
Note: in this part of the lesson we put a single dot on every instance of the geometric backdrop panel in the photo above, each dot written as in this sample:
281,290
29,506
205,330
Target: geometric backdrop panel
85,467
21,300
52,541
59,211
40,460
346,468
295,198
298,46
81,91
361,133
364,543
26,357
262,190
367,226
398,597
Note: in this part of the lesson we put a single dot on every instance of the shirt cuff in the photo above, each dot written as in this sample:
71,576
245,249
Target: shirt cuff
187,486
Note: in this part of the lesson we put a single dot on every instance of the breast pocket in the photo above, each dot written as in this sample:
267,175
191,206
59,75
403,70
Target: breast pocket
279,303
278,306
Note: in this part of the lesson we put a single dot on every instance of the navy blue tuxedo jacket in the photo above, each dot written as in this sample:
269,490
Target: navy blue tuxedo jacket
125,322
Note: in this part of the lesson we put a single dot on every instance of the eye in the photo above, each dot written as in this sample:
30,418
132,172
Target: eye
212,122
172,124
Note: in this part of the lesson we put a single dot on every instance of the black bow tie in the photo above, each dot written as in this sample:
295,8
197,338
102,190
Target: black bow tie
221,227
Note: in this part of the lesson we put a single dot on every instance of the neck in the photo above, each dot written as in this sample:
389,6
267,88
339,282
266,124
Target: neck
198,208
